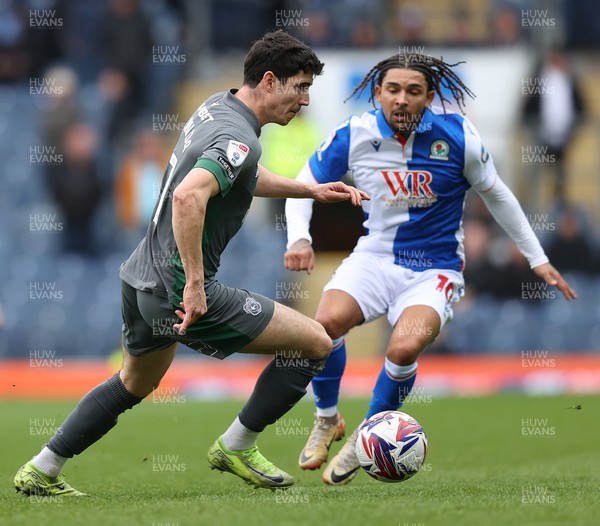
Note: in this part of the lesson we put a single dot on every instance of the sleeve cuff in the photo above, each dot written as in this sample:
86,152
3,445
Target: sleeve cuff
292,240
538,260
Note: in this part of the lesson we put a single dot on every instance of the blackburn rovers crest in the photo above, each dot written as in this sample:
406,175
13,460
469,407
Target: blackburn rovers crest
439,150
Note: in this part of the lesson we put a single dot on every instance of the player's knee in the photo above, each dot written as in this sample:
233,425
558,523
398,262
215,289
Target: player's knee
322,345
138,386
331,325
404,353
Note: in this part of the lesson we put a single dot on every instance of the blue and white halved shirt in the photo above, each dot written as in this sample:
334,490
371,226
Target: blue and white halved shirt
417,186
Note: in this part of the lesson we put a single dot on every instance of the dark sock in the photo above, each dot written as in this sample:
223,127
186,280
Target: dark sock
281,384
95,415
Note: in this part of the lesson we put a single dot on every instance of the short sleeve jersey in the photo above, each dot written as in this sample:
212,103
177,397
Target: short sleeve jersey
417,186
222,137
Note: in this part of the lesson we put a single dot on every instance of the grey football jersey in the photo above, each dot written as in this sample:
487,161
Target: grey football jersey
222,137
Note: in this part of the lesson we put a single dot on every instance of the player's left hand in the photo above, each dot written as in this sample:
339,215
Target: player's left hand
552,276
338,191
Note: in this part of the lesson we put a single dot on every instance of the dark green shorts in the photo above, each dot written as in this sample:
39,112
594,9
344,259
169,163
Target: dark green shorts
234,318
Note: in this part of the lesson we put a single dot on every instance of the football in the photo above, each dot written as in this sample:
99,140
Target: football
391,446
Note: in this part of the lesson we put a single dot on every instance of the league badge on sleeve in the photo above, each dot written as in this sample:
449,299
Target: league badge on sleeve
484,155
237,153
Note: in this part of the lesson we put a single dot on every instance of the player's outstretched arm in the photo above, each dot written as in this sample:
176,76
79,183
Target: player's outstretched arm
508,213
506,210
272,185
338,191
551,276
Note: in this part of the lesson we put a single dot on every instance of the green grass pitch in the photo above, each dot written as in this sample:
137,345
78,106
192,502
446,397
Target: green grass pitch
500,460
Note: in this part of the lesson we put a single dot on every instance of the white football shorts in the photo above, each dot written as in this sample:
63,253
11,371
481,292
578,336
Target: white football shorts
381,287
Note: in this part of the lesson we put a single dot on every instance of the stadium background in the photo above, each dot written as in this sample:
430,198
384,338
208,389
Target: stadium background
93,95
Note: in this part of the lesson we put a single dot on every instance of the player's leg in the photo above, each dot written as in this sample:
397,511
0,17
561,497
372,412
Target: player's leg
417,327
417,317
290,334
357,292
145,361
394,382
338,312
142,374
97,412
300,346
94,416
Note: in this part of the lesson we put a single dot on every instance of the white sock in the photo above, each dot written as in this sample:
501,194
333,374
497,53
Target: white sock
327,411
400,372
238,437
48,462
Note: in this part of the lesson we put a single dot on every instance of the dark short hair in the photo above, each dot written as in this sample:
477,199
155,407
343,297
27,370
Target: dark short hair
282,54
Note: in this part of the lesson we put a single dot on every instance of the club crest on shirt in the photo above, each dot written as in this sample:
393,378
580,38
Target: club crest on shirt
439,150
252,306
237,153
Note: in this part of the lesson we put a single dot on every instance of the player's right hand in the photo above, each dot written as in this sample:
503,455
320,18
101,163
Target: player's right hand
193,306
300,256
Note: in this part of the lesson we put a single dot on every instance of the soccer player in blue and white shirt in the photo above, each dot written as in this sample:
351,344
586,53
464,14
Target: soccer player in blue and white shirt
416,164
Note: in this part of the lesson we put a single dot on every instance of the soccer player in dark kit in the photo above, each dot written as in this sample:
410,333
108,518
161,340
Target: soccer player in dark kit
169,280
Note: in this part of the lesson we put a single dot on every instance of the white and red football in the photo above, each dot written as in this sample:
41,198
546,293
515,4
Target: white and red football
391,446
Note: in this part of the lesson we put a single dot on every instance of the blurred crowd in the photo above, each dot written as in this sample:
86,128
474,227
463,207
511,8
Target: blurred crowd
89,67
93,85
360,24
104,72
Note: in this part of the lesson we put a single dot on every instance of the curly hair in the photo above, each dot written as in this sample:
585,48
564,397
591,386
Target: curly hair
437,73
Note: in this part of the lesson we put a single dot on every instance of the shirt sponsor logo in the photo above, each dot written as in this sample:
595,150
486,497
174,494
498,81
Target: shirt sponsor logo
226,167
439,150
203,114
237,153
410,188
